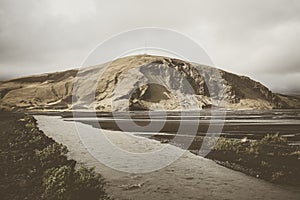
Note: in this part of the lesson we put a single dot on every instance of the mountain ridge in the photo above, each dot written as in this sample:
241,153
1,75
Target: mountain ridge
142,82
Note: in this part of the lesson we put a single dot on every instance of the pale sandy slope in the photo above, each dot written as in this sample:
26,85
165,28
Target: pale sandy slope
190,177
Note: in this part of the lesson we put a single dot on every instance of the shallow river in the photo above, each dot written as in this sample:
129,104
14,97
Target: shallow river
232,124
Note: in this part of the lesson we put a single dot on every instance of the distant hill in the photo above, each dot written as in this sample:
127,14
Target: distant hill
142,82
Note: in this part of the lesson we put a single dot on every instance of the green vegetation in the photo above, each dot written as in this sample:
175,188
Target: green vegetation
268,145
33,166
68,184
270,158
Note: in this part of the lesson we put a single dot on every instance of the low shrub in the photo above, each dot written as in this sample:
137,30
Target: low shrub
224,144
65,183
271,158
33,166
53,155
273,139
57,183
268,145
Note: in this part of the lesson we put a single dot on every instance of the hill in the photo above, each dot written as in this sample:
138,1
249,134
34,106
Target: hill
142,82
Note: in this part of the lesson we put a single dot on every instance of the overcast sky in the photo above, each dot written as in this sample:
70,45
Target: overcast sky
257,38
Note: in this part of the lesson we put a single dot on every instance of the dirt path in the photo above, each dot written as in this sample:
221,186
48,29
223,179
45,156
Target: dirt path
189,177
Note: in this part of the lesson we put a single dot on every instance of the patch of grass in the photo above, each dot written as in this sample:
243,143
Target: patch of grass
274,139
268,145
65,183
233,145
270,158
33,166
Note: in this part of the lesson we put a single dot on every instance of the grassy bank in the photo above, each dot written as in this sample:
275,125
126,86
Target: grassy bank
270,158
33,166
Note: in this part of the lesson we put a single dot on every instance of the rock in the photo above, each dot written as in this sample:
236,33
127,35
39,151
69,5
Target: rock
132,187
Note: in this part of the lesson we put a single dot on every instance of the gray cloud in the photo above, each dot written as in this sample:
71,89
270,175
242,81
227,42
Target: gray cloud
255,38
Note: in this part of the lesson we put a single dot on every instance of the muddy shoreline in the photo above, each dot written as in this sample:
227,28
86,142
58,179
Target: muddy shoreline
189,177
252,125
135,186
280,169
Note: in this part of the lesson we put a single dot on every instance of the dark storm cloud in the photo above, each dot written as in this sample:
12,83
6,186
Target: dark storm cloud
255,38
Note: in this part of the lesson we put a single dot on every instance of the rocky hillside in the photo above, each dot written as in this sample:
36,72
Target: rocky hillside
140,83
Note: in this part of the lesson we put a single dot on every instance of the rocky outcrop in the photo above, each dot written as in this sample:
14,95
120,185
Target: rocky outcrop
140,83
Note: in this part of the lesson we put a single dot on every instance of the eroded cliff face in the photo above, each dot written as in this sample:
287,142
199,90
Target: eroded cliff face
141,82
